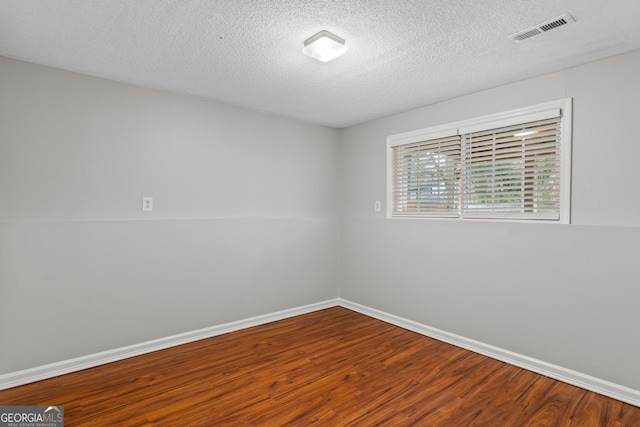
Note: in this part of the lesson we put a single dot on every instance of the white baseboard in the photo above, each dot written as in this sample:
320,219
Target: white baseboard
43,372
559,373
569,376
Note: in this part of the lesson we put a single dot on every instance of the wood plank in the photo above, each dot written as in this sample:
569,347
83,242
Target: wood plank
332,367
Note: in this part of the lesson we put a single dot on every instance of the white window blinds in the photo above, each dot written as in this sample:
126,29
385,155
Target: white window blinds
426,178
513,165
513,171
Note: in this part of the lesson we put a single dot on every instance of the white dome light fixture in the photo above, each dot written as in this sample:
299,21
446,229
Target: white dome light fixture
324,46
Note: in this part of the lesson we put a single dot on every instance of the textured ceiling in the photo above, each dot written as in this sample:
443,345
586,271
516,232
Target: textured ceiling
402,54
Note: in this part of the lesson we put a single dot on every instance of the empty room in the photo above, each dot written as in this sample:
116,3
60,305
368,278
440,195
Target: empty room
283,213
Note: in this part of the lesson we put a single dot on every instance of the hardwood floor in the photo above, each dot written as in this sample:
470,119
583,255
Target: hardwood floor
333,367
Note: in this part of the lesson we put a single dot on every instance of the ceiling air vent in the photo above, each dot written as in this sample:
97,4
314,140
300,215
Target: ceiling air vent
543,27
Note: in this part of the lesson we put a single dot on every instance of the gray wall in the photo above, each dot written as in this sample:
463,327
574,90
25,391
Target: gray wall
244,223
255,214
565,294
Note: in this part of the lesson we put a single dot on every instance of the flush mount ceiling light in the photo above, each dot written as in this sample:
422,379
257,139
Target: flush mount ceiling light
324,46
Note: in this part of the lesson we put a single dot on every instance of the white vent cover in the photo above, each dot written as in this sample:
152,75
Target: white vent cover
543,27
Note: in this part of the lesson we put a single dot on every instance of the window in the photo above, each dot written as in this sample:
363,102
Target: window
512,165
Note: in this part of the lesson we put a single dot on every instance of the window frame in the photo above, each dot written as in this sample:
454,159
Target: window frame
494,121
